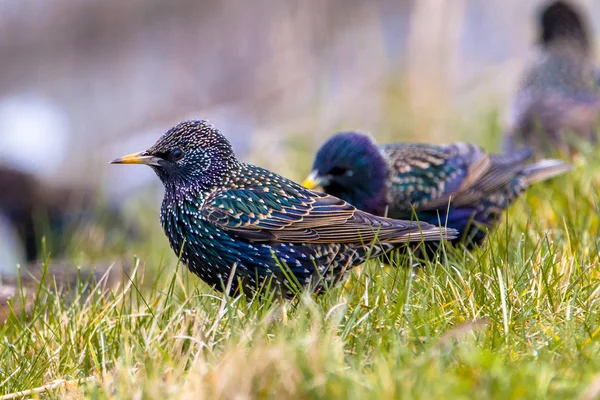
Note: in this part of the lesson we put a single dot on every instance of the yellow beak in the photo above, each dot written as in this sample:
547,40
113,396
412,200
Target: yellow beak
312,181
137,158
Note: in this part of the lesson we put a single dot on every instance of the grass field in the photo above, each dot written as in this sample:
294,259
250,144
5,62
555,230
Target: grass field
517,319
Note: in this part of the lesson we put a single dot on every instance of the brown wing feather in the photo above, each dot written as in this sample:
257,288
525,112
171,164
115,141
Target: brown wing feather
294,214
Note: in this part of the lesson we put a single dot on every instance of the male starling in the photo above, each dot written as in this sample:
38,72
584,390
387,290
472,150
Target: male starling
458,184
559,95
235,222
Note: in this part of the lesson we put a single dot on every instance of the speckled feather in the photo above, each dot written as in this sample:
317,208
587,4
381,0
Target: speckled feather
458,185
219,213
559,94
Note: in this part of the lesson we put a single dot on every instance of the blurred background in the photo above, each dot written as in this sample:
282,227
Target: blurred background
83,82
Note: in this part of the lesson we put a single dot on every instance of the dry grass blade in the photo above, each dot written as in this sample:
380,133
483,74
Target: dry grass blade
46,388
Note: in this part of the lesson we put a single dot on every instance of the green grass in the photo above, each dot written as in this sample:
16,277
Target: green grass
519,318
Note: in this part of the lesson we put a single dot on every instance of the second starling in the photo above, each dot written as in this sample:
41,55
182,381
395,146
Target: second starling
457,184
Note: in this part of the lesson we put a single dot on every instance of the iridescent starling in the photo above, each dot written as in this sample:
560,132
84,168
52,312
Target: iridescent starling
458,185
235,222
558,96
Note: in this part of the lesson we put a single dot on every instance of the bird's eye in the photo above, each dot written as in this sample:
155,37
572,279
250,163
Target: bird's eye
176,154
338,171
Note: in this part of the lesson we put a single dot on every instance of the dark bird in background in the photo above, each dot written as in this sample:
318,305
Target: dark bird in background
235,222
457,185
559,93
58,213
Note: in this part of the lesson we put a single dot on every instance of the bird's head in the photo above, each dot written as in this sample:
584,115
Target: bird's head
563,20
192,152
351,166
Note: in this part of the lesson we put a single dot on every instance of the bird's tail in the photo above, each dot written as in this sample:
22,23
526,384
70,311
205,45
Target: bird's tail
545,169
429,232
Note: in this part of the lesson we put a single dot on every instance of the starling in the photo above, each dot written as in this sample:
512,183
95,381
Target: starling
234,222
458,184
558,100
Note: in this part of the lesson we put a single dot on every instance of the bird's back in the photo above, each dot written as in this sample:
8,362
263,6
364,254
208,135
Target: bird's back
422,174
459,184
563,67
322,213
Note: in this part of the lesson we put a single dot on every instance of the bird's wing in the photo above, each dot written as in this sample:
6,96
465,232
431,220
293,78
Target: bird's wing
288,212
429,177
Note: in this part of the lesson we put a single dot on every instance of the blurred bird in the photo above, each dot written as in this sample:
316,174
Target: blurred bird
233,222
457,185
559,93
37,210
